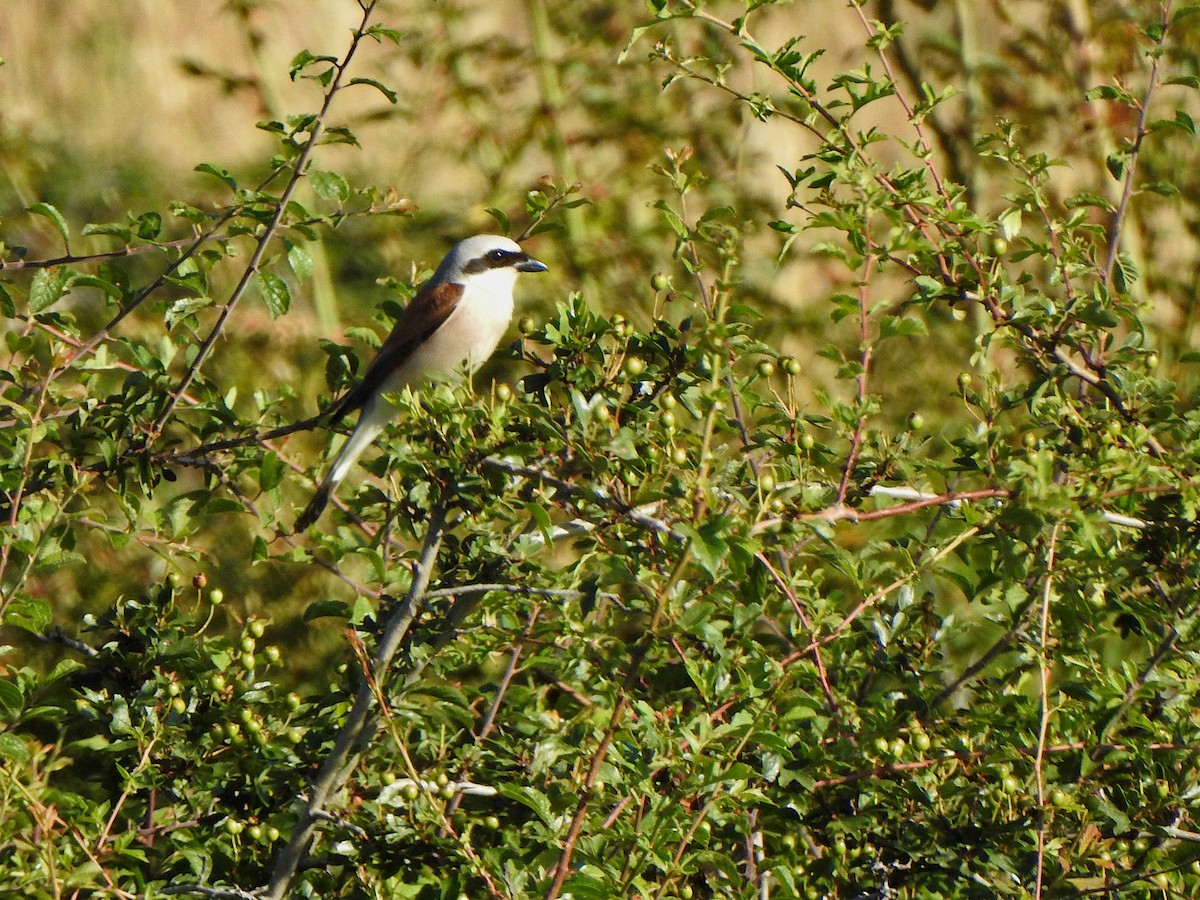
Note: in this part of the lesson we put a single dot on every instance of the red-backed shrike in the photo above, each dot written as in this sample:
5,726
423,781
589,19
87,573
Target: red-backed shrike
451,326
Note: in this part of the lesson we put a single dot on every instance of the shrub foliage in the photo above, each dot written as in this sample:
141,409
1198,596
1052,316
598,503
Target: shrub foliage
830,535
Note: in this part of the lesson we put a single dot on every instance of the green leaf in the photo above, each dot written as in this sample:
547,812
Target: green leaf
299,259
13,748
92,281
218,172
708,545
318,609
1125,273
45,290
10,696
275,293
500,216
304,59
330,186
530,797
903,326
7,306
383,89
587,887
28,614
185,307
271,472
149,226
49,212
1010,223
380,33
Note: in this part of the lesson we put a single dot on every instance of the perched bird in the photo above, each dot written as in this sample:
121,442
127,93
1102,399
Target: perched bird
452,325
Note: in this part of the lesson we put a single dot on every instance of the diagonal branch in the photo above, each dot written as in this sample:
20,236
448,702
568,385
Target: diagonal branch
252,268
1118,220
359,724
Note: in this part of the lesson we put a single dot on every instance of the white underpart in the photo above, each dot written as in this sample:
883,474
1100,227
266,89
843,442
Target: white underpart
462,344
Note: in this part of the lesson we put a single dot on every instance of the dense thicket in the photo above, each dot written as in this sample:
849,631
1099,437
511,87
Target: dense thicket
827,529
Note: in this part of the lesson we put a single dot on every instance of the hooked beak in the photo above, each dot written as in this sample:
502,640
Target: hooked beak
529,264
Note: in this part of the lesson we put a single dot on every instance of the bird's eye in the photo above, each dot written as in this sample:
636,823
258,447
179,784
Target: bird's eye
497,255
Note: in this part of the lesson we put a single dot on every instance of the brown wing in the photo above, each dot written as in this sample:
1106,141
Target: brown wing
421,318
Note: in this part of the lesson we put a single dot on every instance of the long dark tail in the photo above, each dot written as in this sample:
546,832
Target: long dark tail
315,507
370,423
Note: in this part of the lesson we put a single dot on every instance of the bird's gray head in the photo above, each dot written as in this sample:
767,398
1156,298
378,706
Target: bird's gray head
487,257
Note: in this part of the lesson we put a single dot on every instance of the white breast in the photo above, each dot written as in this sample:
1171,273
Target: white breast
466,339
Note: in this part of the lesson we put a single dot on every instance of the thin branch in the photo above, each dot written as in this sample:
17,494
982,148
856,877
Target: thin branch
880,594
202,891
359,724
886,769
1118,220
127,250
563,867
489,718
104,333
252,267
1044,698
923,142
822,674
864,369
594,495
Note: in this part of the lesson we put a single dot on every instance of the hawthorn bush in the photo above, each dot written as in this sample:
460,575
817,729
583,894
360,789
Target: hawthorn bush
829,529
